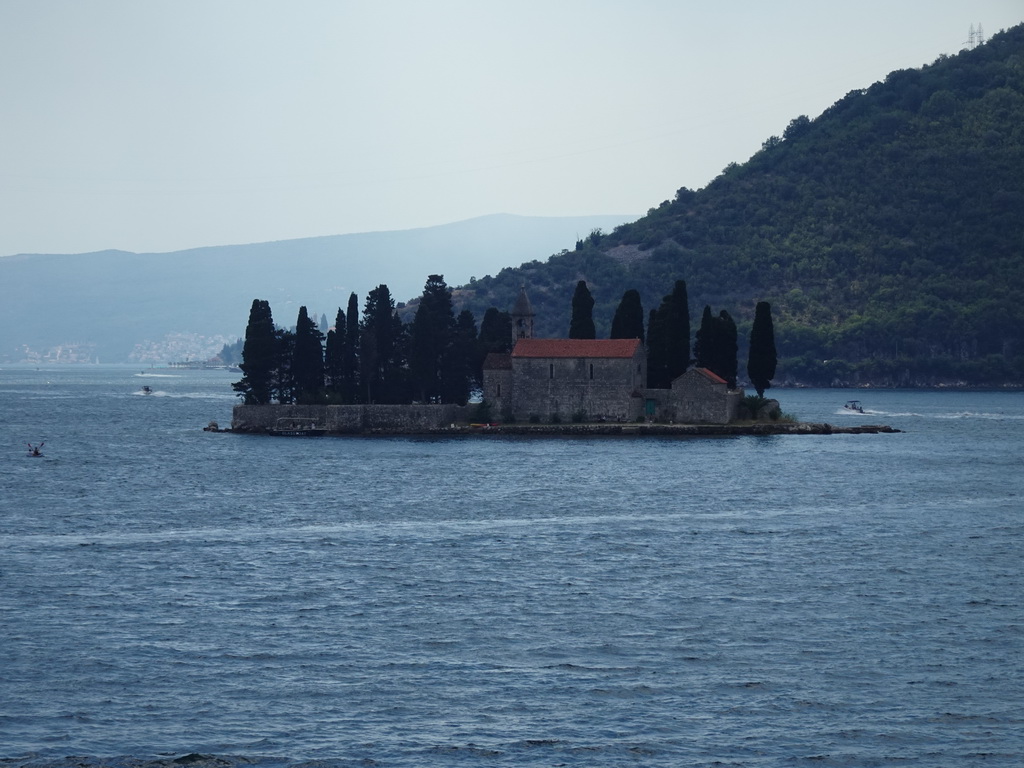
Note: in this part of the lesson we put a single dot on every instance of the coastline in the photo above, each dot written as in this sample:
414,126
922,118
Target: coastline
611,430
682,430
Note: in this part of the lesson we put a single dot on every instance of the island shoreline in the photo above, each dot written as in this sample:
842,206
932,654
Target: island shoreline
755,429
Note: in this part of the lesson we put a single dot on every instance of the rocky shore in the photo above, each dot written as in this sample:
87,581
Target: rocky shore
307,420
679,430
614,430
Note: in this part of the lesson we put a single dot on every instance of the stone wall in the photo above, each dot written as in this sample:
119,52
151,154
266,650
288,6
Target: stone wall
351,419
600,388
497,390
694,399
561,382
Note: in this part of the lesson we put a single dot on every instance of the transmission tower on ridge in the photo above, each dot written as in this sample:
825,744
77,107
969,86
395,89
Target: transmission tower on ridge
976,36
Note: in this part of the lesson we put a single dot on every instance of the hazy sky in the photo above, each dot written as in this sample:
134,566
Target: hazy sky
158,125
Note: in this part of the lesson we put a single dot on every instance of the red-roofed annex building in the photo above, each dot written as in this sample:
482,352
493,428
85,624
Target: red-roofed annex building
595,380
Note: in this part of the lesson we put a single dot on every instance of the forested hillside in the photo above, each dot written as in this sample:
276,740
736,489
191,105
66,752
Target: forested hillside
887,233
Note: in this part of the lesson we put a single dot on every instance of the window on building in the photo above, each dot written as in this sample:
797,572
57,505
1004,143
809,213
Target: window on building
591,370
551,370
499,390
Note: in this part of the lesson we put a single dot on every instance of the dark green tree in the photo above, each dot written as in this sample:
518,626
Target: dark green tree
496,332
677,322
668,338
628,322
382,349
334,351
705,342
259,356
496,335
350,353
399,388
283,385
728,348
657,350
308,360
432,335
762,358
457,375
581,325
716,345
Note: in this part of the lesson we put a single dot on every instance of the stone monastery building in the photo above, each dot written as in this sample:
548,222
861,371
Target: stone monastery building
595,380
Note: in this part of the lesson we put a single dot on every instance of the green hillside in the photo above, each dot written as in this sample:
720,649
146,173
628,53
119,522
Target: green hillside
888,234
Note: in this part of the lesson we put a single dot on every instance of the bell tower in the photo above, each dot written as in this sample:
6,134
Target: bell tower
522,317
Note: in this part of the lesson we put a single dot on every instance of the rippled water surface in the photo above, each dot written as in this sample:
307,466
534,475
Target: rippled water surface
172,596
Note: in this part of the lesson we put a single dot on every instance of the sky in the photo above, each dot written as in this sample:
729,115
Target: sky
160,125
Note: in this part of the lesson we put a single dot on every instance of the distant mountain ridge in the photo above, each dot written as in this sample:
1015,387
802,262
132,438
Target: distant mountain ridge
888,234
115,305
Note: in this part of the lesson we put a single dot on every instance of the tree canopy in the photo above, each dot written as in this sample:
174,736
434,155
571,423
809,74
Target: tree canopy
259,356
628,322
432,335
716,345
762,358
581,326
382,346
308,360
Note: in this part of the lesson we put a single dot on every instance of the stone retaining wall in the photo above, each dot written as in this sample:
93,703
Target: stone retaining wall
350,419
453,420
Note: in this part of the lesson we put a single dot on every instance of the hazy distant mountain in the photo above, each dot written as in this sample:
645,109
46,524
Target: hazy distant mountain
113,305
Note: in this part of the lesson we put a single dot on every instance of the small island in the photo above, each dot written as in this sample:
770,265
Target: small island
379,376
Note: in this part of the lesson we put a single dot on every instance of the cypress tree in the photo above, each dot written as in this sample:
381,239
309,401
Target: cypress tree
350,353
307,359
432,335
628,322
334,351
581,326
399,384
677,322
284,376
716,345
495,332
727,348
762,358
668,338
259,356
495,336
704,343
658,350
382,349
457,375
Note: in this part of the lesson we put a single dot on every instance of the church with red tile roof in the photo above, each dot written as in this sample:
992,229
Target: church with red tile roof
562,380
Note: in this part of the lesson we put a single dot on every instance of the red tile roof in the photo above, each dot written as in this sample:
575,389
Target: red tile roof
576,348
709,374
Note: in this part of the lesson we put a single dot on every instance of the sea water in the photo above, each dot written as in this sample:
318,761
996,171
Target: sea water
174,596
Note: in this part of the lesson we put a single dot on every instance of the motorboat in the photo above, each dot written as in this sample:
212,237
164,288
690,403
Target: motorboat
854,405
